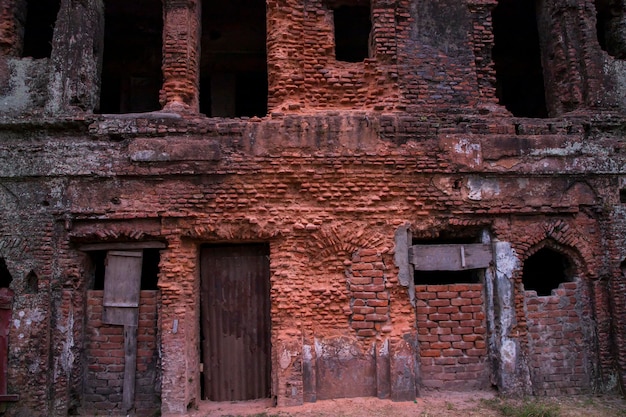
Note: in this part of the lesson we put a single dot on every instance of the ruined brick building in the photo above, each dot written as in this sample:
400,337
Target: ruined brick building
309,199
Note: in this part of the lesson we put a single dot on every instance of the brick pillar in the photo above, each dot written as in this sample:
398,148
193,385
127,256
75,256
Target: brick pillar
181,55
10,44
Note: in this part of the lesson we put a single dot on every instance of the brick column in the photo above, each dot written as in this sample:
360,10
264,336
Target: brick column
181,55
10,44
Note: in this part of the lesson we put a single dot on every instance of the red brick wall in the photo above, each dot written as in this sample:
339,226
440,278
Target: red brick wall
452,336
559,347
370,298
104,351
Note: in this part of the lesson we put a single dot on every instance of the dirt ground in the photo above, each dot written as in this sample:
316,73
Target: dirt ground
433,404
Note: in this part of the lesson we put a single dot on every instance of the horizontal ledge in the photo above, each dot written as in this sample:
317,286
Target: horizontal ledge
121,246
9,397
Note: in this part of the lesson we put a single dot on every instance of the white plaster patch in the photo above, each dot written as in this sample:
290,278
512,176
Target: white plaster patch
508,354
481,188
384,349
307,354
471,150
285,359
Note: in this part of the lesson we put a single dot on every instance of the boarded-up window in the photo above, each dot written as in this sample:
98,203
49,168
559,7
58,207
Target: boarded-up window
449,264
122,282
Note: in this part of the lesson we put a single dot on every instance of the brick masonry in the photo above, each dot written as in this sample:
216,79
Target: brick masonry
452,336
560,340
104,358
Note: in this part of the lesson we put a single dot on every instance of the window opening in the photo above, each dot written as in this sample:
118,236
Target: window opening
545,270
448,244
611,35
233,63
32,283
517,58
97,259
149,269
5,275
39,27
131,68
352,32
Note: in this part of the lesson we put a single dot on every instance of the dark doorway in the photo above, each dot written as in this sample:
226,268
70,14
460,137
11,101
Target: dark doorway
235,322
545,270
131,68
5,275
149,269
233,64
517,58
41,16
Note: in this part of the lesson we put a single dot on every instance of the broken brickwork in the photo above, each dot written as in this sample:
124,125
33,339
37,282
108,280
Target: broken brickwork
556,331
347,170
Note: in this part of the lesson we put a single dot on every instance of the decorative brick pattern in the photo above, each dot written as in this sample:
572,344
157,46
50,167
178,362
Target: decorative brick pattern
370,297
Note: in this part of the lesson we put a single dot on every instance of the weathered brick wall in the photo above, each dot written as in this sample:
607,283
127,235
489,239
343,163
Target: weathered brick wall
369,294
304,73
329,213
560,340
350,151
452,336
104,357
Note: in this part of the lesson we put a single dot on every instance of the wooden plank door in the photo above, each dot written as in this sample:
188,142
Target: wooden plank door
236,322
6,301
122,285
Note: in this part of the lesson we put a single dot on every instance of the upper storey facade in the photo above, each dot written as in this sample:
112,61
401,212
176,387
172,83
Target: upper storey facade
237,59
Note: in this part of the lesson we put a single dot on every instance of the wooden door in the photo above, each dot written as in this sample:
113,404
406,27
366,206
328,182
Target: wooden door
6,300
235,322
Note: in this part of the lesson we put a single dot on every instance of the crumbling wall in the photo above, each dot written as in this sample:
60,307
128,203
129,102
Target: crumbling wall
350,151
559,332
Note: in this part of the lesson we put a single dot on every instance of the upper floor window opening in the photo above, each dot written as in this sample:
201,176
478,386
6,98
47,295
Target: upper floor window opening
352,25
41,17
233,62
517,59
610,15
131,69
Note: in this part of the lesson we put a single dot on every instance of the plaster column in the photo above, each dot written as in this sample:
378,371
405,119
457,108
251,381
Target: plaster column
511,372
